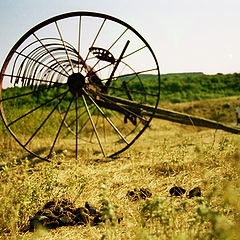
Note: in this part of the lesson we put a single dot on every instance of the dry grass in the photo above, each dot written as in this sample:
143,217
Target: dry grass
167,155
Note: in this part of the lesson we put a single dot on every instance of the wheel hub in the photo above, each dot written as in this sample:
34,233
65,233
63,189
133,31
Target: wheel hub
76,82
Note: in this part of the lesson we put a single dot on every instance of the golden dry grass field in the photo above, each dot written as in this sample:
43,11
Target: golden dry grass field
167,155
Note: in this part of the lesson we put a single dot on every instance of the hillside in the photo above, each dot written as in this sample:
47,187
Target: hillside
175,88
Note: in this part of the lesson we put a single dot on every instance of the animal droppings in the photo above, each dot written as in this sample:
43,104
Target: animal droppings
177,191
195,192
137,194
64,213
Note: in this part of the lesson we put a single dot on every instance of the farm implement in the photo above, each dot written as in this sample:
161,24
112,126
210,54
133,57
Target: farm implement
83,81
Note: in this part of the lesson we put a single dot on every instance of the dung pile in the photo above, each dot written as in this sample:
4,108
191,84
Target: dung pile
137,194
64,213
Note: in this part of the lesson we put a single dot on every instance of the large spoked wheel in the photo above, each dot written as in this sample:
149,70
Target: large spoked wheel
77,82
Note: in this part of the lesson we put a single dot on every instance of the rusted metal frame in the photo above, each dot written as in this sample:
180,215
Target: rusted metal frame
49,52
35,54
104,115
63,42
147,110
73,14
59,130
15,61
93,125
54,50
21,70
35,67
96,71
45,120
40,63
33,110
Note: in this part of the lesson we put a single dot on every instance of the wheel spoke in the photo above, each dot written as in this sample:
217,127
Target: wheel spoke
113,90
91,70
109,121
131,91
134,52
99,30
124,109
79,117
33,110
83,125
116,65
50,54
76,100
79,41
59,130
25,94
45,120
93,125
64,45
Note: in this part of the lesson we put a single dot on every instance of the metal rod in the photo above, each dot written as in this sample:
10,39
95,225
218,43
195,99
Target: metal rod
64,47
131,91
33,110
108,50
25,94
78,117
50,54
59,130
90,140
40,63
134,52
79,42
76,101
45,120
93,42
110,122
116,65
34,79
125,109
94,128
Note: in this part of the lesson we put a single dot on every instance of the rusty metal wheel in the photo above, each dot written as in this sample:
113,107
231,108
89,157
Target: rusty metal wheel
95,70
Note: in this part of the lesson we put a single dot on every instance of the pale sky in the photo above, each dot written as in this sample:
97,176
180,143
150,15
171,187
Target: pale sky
185,35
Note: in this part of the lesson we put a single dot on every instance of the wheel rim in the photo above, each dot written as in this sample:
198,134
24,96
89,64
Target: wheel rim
78,64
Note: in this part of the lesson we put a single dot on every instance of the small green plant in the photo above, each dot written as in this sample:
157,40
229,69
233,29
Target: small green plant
23,190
